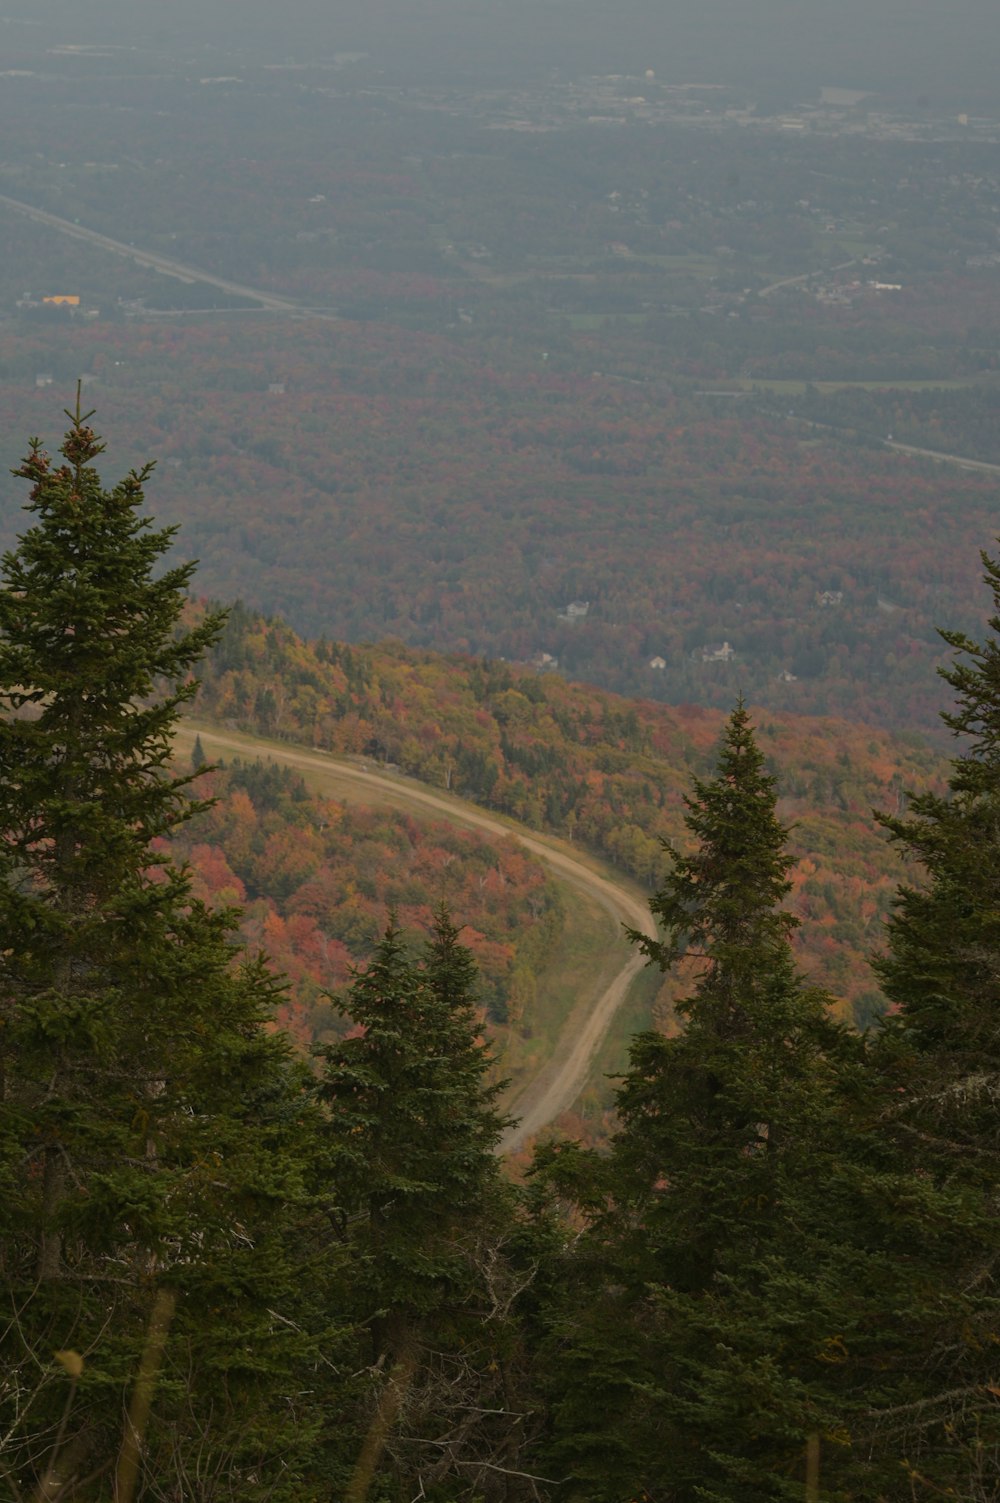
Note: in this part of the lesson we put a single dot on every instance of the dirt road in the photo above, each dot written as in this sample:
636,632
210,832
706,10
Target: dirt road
559,1083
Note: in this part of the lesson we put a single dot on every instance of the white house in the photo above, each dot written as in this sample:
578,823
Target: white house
575,611
716,652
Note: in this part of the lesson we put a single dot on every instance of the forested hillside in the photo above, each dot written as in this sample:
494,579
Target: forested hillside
229,1275
608,773
471,346
543,346
316,883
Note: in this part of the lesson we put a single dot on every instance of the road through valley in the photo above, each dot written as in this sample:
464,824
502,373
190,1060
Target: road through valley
164,264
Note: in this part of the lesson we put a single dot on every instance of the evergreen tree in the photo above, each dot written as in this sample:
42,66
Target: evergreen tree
726,1085
669,1385
150,1125
940,1085
413,1134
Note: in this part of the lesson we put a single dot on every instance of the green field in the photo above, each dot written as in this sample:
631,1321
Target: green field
612,1057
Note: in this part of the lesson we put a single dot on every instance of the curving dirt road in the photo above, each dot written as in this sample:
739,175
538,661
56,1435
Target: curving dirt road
560,1081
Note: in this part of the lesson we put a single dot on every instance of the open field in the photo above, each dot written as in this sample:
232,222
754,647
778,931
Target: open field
584,959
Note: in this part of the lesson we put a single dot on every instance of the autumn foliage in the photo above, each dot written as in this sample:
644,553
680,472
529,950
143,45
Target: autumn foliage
604,772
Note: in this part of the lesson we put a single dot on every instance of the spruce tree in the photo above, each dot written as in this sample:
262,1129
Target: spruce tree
413,1129
668,1385
939,1058
728,1076
150,1125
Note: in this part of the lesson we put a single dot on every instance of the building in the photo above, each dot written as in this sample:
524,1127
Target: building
575,611
715,652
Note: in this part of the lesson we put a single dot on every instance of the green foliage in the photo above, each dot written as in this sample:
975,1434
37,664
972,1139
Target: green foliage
428,1223
410,1134
720,903
790,1244
944,937
670,1381
942,1065
152,1129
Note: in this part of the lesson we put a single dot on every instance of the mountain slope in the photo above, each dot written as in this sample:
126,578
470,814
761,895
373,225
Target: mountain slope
605,773
555,1088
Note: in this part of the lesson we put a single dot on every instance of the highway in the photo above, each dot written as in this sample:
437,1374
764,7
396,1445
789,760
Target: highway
961,460
164,264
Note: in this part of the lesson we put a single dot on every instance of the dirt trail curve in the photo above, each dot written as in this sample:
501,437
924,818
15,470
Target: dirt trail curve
560,1081
164,264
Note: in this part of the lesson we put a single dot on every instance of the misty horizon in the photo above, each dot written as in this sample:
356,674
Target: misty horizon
906,48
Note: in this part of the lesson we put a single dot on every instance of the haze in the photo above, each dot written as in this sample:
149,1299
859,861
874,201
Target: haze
905,47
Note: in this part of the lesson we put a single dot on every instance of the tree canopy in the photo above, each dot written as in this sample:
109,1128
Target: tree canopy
150,1120
225,1274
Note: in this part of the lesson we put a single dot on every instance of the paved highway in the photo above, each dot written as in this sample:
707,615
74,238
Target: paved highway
164,264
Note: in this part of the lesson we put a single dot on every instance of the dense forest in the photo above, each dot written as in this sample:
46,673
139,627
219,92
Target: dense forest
231,1272
466,508
607,773
316,883
597,340
542,387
